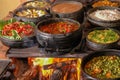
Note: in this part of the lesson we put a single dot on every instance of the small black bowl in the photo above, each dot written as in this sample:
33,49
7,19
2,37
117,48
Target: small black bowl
103,23
98,46
34,20
86,59
25,42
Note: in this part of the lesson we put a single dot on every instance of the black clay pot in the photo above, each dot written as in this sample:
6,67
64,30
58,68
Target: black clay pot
24,43
59,43
76,15
86,59
98,46
102,23
34,20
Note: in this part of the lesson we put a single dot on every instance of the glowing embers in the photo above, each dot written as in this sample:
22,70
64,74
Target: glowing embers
57,68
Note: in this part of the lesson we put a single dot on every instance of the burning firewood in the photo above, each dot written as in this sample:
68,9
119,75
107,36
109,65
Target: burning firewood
30,74
23,71
59,65
56,75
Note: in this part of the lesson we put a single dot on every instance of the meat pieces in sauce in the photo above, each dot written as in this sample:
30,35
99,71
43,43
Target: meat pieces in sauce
59,28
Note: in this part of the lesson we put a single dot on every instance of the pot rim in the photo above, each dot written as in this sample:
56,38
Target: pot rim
102,8
64,19
73,2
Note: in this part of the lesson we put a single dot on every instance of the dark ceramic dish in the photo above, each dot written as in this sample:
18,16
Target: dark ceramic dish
23,43
115,23
60,43
25,19
90,56
77,15
98,46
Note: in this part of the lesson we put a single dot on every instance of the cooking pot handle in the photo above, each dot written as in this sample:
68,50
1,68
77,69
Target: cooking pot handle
48,15
43,43
118,43
55,15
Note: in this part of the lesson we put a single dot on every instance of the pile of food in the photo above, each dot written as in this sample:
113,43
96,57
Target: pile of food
105,3
103,36
107,15
103,67
17,30
31,13
59,28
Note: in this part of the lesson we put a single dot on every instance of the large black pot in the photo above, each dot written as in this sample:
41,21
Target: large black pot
77,15
90,56
34,20
60,43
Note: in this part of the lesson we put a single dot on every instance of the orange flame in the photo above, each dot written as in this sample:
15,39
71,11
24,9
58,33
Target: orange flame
46,61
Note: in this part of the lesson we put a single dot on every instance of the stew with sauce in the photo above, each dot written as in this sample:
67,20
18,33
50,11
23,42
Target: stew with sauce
59,28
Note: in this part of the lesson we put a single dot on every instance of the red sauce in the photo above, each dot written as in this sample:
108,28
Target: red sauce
66,7
59,28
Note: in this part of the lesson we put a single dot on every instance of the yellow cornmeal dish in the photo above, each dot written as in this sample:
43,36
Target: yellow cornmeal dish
103,36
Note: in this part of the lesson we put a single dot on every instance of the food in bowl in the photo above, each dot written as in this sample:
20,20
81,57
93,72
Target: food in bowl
58,38
36,4
59,28
66,7
105,3
17,30
104,67
31,13
106,15
103,36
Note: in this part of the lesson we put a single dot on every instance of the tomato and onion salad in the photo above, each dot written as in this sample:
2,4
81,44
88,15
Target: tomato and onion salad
104,67
59,28
17,30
